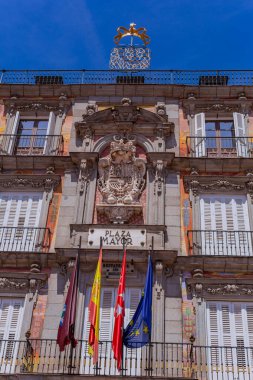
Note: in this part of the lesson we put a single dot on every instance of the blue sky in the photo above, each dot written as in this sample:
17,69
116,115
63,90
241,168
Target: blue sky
76,34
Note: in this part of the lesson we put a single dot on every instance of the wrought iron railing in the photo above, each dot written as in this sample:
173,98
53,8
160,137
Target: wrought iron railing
219,146
168,360
51,145
26,239
221,243
180,77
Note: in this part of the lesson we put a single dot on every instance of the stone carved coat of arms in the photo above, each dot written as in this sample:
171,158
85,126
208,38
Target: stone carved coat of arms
121,174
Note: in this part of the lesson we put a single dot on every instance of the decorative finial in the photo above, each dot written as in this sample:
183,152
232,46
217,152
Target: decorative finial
132,31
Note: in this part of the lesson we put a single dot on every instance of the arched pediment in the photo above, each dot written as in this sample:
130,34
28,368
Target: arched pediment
124,113
126,118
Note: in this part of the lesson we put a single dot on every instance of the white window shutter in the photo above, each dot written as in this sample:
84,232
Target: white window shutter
106,313
49,142
200,134
19,210
220,214
229,325
240,134
12,139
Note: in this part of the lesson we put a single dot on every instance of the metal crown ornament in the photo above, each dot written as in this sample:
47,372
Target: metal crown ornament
131,56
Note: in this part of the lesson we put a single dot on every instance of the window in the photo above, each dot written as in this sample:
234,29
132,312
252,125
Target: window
225,225
229,334
220,138
11,315
19,221
107,302
33,135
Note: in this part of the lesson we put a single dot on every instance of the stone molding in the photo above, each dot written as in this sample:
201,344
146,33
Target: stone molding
31,285
60,107
192,105
206,288
38,182
198,184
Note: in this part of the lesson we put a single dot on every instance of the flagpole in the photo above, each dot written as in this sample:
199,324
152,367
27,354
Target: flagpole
77,286
122,365
151,253
100,247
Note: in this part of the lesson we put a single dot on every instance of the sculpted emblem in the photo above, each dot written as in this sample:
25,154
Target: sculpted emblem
121,174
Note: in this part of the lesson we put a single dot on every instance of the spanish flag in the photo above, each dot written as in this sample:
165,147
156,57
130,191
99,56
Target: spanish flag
94,308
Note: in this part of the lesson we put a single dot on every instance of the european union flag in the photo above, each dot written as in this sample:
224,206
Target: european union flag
138,331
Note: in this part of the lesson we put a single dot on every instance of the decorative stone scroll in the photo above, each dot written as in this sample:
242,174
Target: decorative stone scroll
121,181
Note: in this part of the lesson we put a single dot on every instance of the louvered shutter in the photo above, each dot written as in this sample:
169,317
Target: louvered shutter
12,138
224,220
240,133
200,135
229,326
108,297
19,211
11,314
49,141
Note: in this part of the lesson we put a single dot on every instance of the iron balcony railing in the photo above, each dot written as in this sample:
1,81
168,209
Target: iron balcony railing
168,360
26,239
178,77
221,243
51,145
219,146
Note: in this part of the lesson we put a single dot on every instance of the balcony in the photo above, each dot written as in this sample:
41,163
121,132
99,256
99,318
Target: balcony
24,239
219,147
27,145
177,77
220,243
168,360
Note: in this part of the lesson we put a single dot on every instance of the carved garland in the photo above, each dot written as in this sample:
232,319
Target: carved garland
21,284
201,290
199,185
47,183
60,108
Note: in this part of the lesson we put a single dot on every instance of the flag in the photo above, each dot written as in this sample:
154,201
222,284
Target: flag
94,308
138,331
119,313
66,328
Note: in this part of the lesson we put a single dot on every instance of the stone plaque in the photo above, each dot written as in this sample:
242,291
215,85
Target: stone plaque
114,237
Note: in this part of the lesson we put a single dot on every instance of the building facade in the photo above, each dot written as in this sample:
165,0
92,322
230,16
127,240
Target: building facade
160,160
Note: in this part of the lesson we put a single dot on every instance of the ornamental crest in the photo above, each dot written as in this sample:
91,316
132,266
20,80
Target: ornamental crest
121,174
121,179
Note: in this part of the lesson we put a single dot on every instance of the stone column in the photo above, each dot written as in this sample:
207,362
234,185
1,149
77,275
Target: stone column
159,191
158,304
158,318
86,191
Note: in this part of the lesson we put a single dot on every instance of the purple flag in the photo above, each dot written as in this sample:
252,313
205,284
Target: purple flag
66,328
